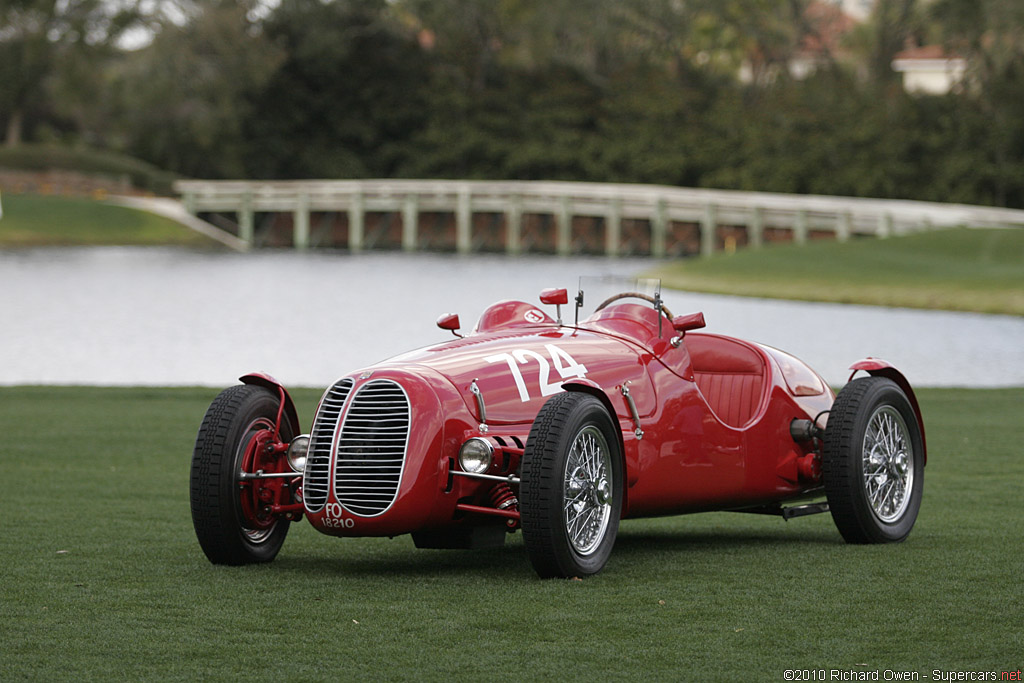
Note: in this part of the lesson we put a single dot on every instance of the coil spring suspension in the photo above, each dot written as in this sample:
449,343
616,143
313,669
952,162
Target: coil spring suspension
503,498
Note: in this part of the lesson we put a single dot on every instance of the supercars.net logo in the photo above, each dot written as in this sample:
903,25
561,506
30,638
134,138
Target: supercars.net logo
891,675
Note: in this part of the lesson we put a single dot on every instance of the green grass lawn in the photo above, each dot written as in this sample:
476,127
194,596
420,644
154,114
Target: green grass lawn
35,220
103,578
962,269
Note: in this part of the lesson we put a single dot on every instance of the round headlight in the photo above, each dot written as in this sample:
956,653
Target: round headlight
297,450
475,455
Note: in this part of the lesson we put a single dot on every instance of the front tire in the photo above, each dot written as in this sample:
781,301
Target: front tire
873,462
229,522
571,490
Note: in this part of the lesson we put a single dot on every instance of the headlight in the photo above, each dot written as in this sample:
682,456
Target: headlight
475,455
297,452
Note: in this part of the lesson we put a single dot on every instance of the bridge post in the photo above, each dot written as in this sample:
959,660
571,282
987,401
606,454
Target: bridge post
800,227
755,229
659,228
356,222
246,219
189,200
410,222
707,230
300,236
885,225
463,221
844,226
513,225
613,228
563,226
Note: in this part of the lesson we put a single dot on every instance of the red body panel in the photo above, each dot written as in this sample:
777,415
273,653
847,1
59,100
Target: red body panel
715,415
262,379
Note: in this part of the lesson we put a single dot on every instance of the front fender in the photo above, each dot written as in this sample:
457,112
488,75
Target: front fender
880,368
627,447
261,379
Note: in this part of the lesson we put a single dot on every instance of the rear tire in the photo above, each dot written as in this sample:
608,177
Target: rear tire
571,487
873,462
230,531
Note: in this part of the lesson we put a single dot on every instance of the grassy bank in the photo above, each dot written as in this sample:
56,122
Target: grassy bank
34,220
104,579
967,270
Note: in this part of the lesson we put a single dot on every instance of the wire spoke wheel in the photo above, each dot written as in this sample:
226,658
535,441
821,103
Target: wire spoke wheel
587,490
888,475
873,462
571,491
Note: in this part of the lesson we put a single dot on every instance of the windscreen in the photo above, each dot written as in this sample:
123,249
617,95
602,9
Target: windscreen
599,291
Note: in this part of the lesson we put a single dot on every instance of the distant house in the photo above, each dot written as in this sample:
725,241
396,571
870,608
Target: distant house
858,9
830,23
822,45
928,70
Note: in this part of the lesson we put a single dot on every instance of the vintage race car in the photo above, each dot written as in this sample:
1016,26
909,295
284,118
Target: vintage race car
559,430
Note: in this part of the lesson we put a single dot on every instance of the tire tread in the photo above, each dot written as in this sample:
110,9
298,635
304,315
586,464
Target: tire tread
541,487
212,517
840,468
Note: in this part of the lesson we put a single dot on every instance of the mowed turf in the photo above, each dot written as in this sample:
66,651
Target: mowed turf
960,269
35,220
103,578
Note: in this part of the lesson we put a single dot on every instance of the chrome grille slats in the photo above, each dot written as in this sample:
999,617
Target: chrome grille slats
371,448
316,479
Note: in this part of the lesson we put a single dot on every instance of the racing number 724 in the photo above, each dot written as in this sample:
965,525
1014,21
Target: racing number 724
565,364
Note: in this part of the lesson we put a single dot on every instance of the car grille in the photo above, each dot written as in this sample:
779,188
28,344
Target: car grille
317,477
371,448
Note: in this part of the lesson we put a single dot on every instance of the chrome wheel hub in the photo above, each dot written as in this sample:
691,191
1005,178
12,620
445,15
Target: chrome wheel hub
888,464
587,490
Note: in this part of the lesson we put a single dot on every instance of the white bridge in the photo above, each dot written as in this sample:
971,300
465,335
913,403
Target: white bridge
555,217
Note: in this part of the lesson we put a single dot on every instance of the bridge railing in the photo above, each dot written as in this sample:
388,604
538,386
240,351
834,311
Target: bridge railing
659,206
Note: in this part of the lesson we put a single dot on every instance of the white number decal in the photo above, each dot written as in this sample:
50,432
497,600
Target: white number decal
516,375
545,371
333,518
565,364
571,368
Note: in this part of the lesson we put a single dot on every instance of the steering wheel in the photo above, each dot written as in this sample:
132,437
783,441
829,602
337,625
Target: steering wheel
634,295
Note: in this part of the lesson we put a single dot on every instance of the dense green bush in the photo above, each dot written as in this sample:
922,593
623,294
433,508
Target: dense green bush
142,175
644,91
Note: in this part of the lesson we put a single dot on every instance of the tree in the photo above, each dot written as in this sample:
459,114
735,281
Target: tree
893,24
988,34
184,98
346,98
38,38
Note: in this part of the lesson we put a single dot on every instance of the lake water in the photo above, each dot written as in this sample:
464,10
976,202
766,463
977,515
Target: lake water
154,316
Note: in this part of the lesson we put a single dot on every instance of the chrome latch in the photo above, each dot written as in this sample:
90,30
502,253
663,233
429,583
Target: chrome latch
638,432
481,408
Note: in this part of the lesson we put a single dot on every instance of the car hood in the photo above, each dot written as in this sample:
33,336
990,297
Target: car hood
517,370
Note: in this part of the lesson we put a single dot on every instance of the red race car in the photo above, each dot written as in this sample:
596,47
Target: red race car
559,429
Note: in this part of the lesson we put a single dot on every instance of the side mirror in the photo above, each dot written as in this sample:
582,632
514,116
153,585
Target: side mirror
450,321
685,323
556,297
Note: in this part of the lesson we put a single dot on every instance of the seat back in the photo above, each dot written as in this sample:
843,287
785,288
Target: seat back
730,375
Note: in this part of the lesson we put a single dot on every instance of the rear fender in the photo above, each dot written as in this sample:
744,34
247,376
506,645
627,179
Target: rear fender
880,368
260,379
